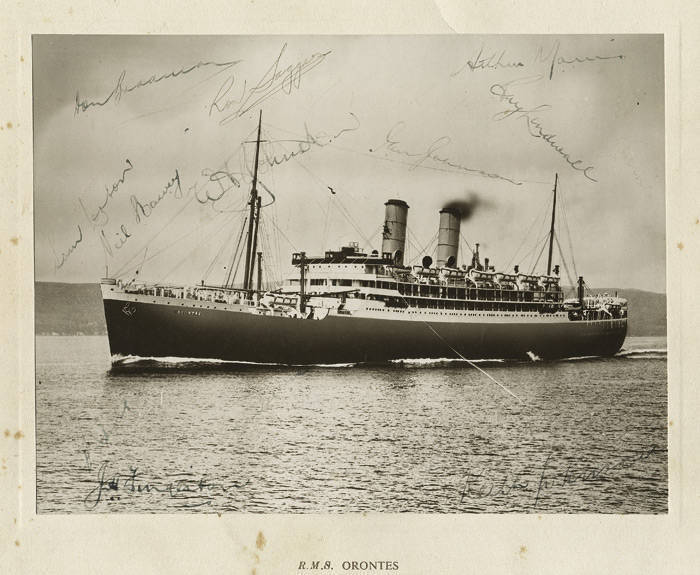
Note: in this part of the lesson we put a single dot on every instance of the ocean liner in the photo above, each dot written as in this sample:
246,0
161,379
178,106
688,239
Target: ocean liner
349,306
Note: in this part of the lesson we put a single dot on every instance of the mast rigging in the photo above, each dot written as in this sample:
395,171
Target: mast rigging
551,229
252,222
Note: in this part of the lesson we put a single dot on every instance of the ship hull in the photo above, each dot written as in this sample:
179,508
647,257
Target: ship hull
157,330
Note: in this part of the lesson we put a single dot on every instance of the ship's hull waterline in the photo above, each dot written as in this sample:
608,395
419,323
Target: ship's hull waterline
157,330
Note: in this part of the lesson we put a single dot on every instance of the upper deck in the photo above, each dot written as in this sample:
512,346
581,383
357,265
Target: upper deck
351,274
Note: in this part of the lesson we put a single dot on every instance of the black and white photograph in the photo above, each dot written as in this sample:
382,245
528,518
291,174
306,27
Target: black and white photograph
337,274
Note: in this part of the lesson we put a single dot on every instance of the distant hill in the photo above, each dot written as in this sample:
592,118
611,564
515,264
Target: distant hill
647,310
74,309
68,309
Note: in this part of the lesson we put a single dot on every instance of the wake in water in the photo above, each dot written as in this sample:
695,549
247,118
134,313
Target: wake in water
441,361
192,362
655,353
171,361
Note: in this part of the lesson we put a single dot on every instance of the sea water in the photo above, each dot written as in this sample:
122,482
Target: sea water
584,435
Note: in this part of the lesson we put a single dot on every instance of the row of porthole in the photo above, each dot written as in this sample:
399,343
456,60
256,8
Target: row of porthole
442,313
182,304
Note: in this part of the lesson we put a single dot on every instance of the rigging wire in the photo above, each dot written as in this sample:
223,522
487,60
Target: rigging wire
466,242
339,204
531,251
415,248
539,215
213,261
230,279
211,233
167,247
268,260
544,245
324,237
563,261
378,230
374,156
238,265
124,267
568,233
285,236
224,244
428,249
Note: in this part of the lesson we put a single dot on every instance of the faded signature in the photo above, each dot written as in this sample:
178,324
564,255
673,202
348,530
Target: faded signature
100,217
503,91
308,142
481,485
496,59
66,254
195,492
393,144
553,58
275,79
488,61
121,87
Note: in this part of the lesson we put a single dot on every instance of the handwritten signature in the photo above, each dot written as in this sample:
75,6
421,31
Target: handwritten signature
275,79
309,141
553,58
121,87
483,484
489,61
503,91
145,210
100,217
430,153
66,254
493,60
197,492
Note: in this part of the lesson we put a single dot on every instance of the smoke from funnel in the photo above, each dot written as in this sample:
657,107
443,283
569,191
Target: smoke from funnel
465,207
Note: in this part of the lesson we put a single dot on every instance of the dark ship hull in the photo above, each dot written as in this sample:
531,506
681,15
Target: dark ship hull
159,330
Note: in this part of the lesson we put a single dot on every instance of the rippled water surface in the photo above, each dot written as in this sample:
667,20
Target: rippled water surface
583,435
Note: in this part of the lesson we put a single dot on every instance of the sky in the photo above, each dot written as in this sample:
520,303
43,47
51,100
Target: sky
144,150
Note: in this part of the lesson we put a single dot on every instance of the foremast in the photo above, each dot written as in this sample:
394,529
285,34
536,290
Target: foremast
253,219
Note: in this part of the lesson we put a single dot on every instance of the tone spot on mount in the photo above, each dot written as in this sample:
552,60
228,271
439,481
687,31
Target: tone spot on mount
16,542
7,433
9,125
523,550
260,541
19,435
14,240
670,422
680,245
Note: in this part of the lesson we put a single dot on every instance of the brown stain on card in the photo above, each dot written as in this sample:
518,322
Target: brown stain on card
523,551
19,435
7,433
14,240
260,542
680,245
